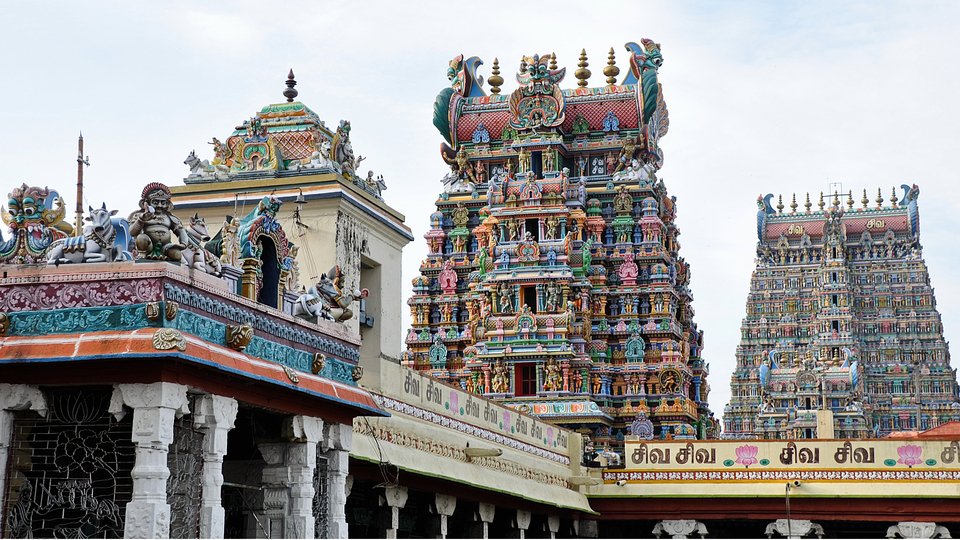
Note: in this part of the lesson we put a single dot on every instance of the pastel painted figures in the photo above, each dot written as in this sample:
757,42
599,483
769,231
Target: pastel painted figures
327,299
195,255
159,235
200,167
230,244
35,217
104,239
553,377
501,381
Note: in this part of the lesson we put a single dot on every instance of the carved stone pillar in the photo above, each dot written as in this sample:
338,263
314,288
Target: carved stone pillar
288,479
586,528
553,525
306,432
482,520
918,529
275,493
15,397
215,416
680,528
393,499
337,442
443,507
793,528
521,523
155,406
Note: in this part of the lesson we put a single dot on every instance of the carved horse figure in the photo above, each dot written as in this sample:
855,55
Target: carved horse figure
104,239
327,300
195,255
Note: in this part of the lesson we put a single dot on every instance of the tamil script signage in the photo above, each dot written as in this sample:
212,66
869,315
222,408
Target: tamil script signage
799,454
459,406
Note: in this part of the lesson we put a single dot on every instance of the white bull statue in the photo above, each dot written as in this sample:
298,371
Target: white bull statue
104,239
327,300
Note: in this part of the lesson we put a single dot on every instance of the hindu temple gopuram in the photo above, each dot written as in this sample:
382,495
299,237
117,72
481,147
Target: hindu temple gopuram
842,337
554,281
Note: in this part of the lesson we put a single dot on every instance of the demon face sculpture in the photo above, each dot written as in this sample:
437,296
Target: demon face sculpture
35,217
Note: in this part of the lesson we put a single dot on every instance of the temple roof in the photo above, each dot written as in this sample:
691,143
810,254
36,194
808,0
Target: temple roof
539,111
283,139
900,216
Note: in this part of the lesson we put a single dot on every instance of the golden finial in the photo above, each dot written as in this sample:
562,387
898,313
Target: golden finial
582,73
807,204
865,200
850,200
793,204
780,203
553,61
611,71
821,204
495,79
879,199
836,199
893,197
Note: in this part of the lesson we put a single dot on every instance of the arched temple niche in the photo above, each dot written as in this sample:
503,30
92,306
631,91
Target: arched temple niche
265,254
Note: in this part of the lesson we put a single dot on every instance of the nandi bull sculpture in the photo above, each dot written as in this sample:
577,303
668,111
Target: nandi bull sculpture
200,167
104,239
195,255
327,299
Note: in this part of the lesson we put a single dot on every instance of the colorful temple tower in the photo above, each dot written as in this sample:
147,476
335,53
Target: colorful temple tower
842,337
553,280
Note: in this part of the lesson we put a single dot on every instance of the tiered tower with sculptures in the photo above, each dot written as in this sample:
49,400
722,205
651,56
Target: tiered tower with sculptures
553,280
842,337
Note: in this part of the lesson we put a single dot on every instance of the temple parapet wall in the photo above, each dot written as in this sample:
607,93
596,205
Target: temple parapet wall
169,299
441,431
406,391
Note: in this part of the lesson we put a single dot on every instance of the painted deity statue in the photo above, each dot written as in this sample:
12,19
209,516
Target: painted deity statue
35,217
501,380
553,296
158,234
553,377
342,150
230,253
461,215
628,149
623,202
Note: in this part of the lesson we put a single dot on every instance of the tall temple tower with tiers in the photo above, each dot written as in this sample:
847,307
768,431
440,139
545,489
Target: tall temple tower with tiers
842,338
553,281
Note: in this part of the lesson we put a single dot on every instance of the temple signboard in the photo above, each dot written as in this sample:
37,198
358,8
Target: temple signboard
409,392
880,454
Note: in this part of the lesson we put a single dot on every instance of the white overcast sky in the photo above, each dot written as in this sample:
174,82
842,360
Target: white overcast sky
763,97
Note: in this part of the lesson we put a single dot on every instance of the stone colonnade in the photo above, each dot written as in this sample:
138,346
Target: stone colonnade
394,499
795,529
288,476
